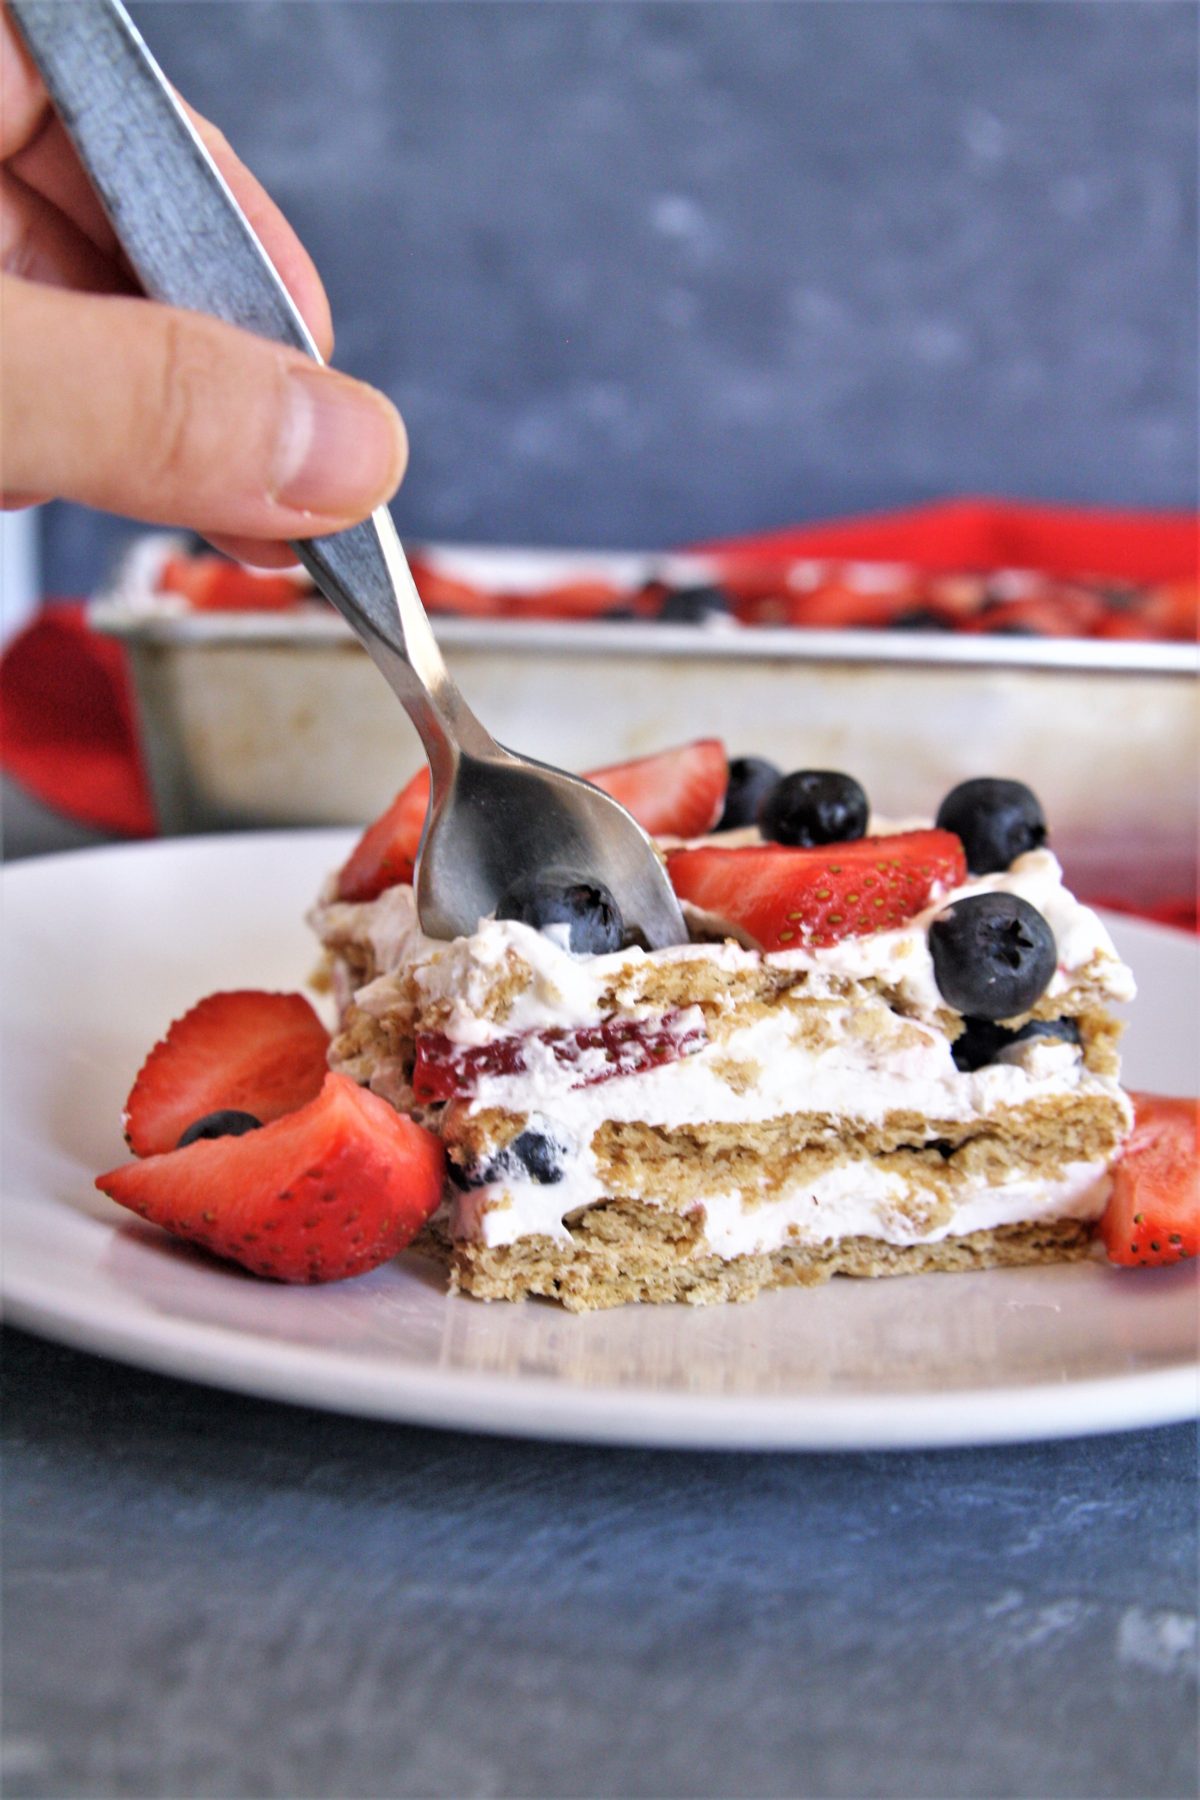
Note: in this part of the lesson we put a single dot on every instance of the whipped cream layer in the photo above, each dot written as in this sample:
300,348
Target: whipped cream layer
882,1047
856,1199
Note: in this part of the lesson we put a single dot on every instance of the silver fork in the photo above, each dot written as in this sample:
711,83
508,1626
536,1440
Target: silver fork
494,816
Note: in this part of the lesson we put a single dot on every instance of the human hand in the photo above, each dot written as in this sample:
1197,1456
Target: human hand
169,416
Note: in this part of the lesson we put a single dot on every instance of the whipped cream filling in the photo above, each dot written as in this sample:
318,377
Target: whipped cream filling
855,1199
763,1071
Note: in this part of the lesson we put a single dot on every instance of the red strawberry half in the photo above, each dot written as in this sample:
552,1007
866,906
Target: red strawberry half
387,851
246,1052
1153,1213
330,1191
799,899
678,793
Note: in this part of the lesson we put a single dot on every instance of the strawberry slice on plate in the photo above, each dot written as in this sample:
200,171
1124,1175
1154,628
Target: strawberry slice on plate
1153,1213
678,793
330,1191
245,1051
788,899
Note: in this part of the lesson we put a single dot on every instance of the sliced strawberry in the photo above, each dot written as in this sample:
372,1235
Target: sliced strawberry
753,581
213,584
799,899
387,850
1127,626
840,606
441,593
569,600
330,1191
245,1052
678,793
1153,1212
1172,609
1058,612
448,1071
956,598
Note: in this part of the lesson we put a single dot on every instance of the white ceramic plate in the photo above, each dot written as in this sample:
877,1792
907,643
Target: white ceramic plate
102,948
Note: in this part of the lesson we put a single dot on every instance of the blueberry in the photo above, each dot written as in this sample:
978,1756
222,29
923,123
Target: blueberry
814,806
539,1156
978,1044
220,1124
982,1042
993,955
552,898
533,1156
996,820
920,618
751,779
465,1176
693,605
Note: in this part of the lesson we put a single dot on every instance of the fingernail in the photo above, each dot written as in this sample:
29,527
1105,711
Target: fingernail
342,449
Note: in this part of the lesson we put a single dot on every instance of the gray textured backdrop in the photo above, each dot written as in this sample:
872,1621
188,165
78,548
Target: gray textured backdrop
637,273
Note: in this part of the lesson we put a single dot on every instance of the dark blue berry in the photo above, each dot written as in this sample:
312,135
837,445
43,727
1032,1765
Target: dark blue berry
552,898
464,1176
751,779
539,1155
532,1156
920,618
978,1043
993,955
1066,1029
693,605
220,1124
982,1042
996,820
814,806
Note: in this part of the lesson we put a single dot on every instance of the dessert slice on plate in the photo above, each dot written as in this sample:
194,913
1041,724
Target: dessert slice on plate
886,1048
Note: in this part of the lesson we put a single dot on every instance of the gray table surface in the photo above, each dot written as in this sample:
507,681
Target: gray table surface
210,1595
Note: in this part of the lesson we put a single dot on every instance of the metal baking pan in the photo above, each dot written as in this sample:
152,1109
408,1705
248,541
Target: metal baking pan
280,718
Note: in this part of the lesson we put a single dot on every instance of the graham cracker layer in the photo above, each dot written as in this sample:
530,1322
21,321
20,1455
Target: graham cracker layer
758,1159
621,1253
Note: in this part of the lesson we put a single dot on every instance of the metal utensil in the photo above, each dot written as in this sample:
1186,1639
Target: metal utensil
493,815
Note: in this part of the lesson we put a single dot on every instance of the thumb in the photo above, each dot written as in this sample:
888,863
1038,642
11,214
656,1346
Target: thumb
175,418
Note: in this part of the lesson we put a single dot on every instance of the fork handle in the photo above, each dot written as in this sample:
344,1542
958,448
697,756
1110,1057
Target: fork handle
192,246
